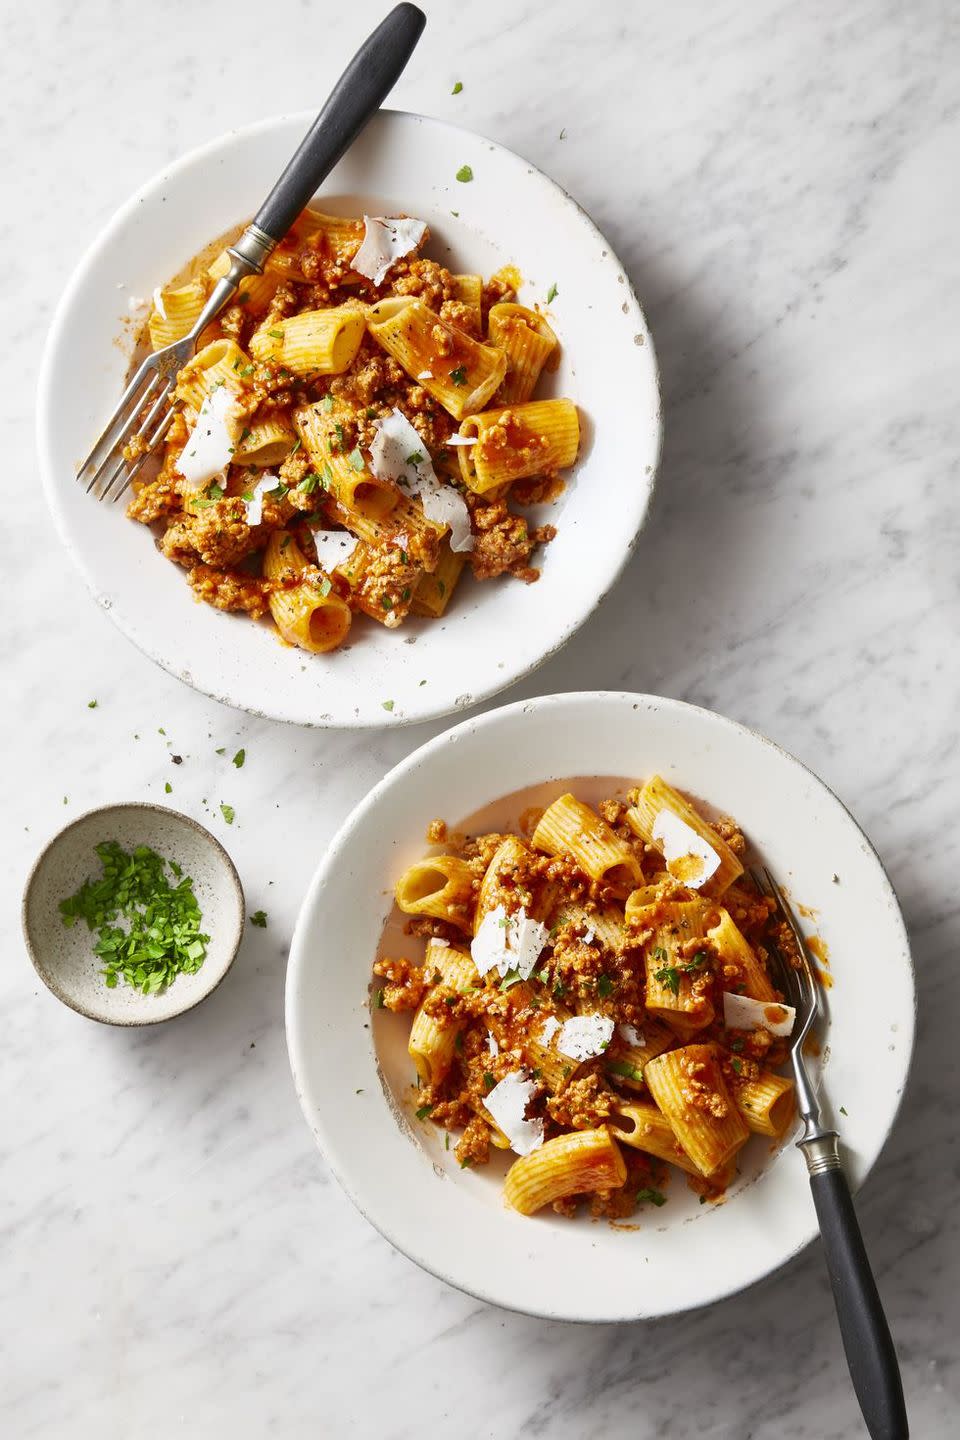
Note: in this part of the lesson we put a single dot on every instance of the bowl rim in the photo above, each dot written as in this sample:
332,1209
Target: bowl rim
49,979
413,714
299,956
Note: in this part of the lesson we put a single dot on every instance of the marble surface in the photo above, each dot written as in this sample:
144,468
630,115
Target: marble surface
778,180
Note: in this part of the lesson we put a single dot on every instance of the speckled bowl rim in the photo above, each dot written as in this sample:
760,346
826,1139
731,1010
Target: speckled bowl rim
49,980
425,711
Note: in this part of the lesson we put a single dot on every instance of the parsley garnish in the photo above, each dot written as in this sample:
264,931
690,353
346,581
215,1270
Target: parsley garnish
325,587
670,977
247,370
459,376
843,1110
488,1080
356,459
415,459
512,977
388,704
606,986
424,1111
737,1065
456,91
656,1197
624,1068
259,918
210,496
327,403
464,174
159,938
309,482
91,704
239,758
228,813
167,788
378,999
275,334
552,293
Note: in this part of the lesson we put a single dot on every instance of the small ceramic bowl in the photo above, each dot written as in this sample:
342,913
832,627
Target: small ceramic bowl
63,956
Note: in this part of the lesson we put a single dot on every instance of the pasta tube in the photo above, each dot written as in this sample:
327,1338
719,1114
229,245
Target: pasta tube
441,887
432,1045
344,473
766,1103
455,369
734,950
570,827
574,1164
521,440
657,795
432,595
265,442
646,1128
528,343
222,362
304,606
689,1088
180,311
315,342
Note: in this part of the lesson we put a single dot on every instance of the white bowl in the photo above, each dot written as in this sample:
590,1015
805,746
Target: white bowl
64,958
353,1079
494,633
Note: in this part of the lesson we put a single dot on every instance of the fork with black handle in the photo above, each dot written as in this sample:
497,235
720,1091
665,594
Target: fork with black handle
145,411
871,1357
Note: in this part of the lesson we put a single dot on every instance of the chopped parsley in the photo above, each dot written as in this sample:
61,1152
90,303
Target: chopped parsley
843,1110
167,788
91,704
416,458
606,986
488,1080
222,750
378,999
459,375
210,496
228,813
656,1197
424,1111
327,403
464,174
625,1069
356,459
275,334
553,292
668,976
456,91
247,370
239,758
259,918
512,977
387,704
325,587
309,482
737,1064
158,937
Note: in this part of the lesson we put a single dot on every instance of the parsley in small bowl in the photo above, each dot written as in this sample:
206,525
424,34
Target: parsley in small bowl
133,914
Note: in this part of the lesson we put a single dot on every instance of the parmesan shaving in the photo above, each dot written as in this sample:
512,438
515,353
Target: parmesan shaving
334,547
492,1047
742,1012
425,375
211,443
384,242
158,304
632,1035
507,1105
548,1029
254,506
399,454
461,440
682,848
583,1036
508,942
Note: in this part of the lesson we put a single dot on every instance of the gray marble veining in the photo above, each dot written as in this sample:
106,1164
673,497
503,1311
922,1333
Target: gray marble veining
779,181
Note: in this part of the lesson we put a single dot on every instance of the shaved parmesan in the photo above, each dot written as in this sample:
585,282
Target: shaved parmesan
492,1046
399,454
425,375
589,936
507,1106
689,858
385,241
547,1031
461,440
334,547
158,304
631,1035
741,1012
211,442
583,1036
254,506
508,942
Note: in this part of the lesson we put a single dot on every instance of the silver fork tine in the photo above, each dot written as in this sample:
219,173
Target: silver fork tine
125,412
152,444
154,410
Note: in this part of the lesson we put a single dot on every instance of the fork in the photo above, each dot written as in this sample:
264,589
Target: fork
145,411
871,1357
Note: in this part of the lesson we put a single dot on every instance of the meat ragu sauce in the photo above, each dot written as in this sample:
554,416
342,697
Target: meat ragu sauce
249,534
604,1026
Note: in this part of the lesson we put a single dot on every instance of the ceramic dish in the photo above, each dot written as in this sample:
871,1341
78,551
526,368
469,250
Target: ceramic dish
494,633
63,957
353,1076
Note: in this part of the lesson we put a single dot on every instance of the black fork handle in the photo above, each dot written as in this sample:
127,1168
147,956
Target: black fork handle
357,95
869,1349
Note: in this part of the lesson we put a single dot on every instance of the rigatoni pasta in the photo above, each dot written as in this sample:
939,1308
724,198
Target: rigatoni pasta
355,386
573,1006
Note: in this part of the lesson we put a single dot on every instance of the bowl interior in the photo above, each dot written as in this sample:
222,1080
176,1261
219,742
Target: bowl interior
64,956
351,1070
493,633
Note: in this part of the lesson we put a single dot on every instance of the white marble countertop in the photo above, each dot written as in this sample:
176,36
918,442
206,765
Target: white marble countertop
780,182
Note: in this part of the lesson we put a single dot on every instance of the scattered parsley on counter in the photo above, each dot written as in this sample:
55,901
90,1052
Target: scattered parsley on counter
222,750
424,1111
228,812
158,937
91,704
456,91
464,174
843,1110
553,292
388,704
259,918
239,758
167,787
